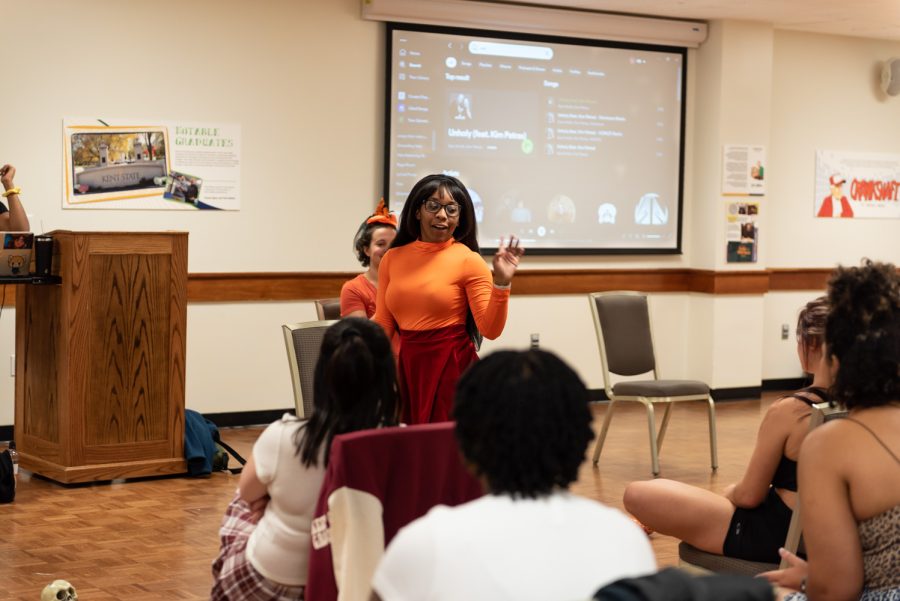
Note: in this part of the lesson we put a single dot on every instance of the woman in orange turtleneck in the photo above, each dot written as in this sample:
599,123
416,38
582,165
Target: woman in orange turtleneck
436,291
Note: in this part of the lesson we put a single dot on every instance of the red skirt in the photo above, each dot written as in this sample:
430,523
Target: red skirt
430,364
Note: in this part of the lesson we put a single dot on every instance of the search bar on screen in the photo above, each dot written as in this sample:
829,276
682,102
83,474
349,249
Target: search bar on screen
511,50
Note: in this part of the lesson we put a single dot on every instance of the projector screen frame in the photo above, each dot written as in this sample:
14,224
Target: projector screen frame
391,27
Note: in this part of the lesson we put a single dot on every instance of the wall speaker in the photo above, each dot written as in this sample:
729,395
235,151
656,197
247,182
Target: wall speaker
43,256
890,77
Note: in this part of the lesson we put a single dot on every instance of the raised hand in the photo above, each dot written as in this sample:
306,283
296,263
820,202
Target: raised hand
7,174
506,260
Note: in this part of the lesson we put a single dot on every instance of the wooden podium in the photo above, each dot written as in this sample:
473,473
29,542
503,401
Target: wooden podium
100,358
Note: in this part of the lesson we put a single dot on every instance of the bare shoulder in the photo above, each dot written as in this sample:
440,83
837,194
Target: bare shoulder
827,443
785,412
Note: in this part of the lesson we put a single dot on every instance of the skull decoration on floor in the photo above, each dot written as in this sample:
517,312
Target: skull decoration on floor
59,590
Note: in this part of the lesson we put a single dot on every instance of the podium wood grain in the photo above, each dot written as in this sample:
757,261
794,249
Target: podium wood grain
100,359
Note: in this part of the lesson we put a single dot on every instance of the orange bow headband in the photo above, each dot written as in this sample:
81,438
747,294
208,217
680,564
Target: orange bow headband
382,215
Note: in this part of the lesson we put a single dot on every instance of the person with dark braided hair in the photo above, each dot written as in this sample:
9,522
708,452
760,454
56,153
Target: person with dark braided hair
265,534
523,424
849,469
750,519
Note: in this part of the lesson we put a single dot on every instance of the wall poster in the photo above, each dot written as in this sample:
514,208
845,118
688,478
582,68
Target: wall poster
742,232
743,170
861,185
146,164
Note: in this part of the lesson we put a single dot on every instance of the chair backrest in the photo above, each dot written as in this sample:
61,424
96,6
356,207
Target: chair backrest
821,413
328,308
377,482
622,323
303,341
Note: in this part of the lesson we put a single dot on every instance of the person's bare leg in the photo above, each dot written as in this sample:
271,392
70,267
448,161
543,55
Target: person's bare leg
694,515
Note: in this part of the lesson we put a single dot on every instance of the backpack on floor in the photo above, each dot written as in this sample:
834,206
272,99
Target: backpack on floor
203,448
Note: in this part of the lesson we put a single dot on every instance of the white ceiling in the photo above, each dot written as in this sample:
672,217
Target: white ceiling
863,18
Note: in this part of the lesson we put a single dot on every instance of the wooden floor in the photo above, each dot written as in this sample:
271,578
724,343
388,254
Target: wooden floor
155,539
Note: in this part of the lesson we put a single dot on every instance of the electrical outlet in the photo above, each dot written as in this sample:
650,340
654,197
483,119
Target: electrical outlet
785,331
535,341
12,366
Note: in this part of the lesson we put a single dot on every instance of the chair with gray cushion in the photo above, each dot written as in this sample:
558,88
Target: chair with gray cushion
328,308
622,323
303,342
692,558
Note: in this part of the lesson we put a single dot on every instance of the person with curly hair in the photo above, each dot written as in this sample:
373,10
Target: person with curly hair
849,469
265,533
371,241
438,293
750,519
523,424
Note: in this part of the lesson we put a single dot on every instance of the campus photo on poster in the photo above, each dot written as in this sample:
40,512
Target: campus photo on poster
857,185
743,170
741,232
115,164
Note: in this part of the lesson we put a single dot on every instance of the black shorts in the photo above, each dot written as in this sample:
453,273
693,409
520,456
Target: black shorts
756,534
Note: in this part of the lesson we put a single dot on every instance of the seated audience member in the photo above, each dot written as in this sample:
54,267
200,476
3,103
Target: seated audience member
12,218
523,425
372,239
850,468
265,534
750,519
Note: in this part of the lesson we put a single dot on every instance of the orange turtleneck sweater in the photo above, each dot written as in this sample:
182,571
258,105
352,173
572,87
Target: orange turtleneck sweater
428,285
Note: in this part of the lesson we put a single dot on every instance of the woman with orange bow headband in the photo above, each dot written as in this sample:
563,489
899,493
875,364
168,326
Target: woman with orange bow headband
372,239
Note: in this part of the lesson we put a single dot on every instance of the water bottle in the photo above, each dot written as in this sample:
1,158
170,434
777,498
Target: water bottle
14,455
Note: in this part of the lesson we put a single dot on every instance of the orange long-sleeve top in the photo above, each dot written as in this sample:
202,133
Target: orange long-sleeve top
428,285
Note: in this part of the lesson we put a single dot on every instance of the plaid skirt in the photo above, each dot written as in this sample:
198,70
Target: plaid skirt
233,576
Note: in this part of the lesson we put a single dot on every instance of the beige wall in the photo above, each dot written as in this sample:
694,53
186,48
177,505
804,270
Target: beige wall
304,78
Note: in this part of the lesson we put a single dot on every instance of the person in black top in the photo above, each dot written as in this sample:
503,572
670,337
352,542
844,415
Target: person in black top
12,218
750,519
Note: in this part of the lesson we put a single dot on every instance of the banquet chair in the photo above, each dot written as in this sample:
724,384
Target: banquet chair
328,308
377,482
303,341
622,323
694,559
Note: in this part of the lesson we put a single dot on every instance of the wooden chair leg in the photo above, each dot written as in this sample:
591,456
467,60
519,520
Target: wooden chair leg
654,453
713,445
602,438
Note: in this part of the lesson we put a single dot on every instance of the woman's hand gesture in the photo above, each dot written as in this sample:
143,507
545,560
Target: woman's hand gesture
506,261
791,577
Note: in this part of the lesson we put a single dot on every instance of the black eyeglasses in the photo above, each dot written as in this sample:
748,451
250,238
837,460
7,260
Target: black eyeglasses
433,206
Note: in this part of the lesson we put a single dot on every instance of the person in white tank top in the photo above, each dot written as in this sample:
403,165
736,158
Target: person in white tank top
265,534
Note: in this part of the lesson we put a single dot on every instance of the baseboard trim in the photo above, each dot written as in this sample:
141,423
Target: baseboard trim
785,383
734,394
237,419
